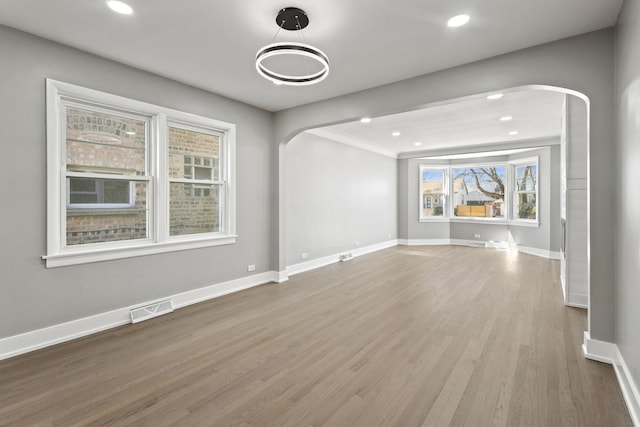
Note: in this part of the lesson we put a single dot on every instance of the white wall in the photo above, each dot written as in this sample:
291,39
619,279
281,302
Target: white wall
626,214
337,195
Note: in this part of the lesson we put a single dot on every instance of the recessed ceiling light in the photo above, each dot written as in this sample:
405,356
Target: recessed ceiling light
417,144
513,132
365,119
119,7
505,118
130,132
396,133
495,96
458,20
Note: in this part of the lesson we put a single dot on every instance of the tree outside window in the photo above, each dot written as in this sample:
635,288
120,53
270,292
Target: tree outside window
524,195
479,191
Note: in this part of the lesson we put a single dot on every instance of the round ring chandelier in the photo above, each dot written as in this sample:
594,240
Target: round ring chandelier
292,19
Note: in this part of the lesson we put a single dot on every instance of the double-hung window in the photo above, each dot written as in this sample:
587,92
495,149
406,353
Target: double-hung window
525,190
433,192
127,178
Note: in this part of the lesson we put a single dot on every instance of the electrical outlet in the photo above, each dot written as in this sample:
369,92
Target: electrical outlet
251,267
357,243
304,255
477,236
389,235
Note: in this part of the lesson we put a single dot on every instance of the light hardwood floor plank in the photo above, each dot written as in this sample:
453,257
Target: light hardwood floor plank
407,336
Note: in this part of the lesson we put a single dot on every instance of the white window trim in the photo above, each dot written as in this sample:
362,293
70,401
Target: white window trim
512,165
445,193
158,191
509,191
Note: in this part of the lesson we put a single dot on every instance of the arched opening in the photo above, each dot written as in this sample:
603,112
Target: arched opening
564,226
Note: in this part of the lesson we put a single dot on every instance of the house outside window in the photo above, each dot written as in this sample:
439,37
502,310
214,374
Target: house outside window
433,188
525,191
479,191
127,178
499,192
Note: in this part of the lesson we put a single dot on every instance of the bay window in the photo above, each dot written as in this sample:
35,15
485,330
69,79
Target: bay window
492,192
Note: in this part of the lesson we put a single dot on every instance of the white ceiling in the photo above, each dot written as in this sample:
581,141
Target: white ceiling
536,114
211,44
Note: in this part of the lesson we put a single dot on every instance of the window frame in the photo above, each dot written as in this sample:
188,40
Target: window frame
508,218
157,177
513,164
445,193
494,220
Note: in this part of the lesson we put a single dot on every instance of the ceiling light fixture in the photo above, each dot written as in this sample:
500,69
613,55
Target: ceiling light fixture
513,132
458,20
505,118
119,7
292,19
366,120
396,134
417,144
495,96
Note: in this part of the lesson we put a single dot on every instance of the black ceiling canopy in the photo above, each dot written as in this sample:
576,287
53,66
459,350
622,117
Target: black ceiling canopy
292,19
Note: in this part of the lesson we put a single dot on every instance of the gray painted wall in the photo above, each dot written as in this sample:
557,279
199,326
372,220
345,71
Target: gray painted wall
628,204
583,63
32,296
337,195
403,199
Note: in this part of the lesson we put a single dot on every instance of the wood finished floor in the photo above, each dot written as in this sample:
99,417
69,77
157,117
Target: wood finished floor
408,336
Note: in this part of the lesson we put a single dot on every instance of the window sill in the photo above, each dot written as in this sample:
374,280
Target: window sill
76,255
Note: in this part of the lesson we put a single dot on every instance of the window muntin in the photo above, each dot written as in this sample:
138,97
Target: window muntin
525,194
108,160
479,191
433,191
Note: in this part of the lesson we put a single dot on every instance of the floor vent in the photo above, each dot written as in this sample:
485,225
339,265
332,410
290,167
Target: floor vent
152,310
346,257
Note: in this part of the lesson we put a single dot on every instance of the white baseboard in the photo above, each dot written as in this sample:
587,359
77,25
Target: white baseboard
601,351
629,388
281,276
40,338
539,252
424,242
606,352
577,300
330,259
480,243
